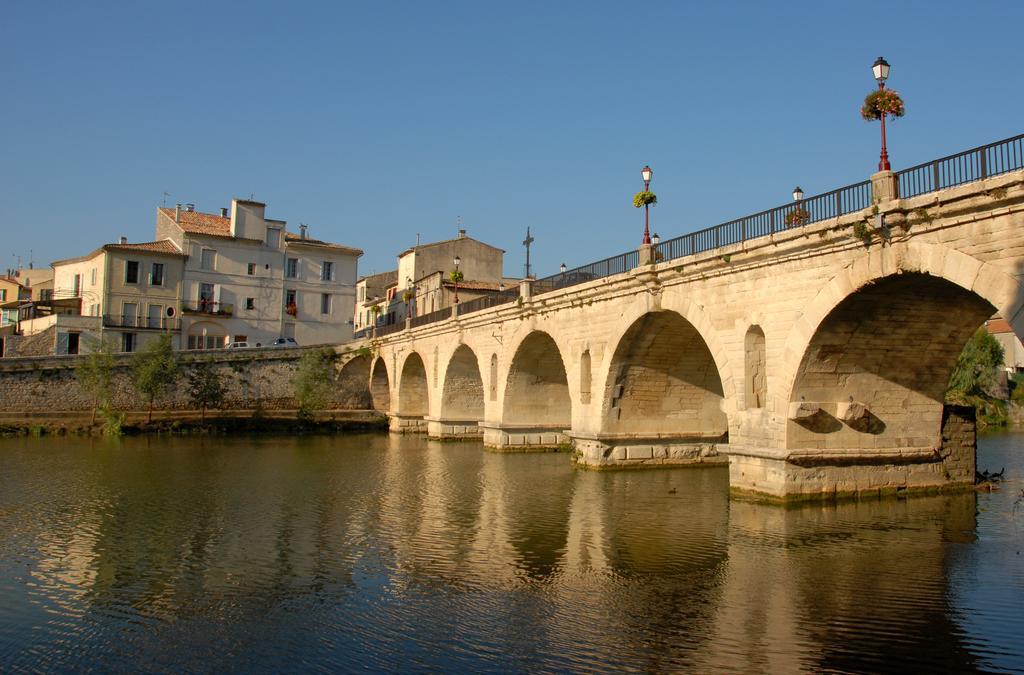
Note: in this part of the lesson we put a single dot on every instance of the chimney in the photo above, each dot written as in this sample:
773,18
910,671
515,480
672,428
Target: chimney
462,234
190,207
177,213
123,240
302,231
223,212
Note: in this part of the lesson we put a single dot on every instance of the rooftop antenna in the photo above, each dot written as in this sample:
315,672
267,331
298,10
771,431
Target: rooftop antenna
166,195
417,240
458,224
526,242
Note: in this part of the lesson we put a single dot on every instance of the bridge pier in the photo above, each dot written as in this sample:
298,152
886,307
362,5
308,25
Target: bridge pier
621,451
804,474
522,437
406,424
451,429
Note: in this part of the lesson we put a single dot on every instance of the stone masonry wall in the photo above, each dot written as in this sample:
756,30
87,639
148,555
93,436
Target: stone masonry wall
959,443
251,379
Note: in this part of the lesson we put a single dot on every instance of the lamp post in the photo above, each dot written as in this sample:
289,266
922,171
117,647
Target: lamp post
798,194
561,268
455,278
655,239
881,71
646,174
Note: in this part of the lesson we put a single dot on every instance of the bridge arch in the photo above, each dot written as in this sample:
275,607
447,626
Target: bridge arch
536,387
413,388
663,379
462,394
875,348
380,385
354,383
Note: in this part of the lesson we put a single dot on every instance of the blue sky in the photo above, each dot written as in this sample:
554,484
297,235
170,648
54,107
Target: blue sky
373,122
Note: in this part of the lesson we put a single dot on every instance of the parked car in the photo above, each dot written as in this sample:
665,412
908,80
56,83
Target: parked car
239,345
284,342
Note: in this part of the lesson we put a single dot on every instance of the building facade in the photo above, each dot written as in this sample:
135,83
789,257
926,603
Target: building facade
247,279
133,289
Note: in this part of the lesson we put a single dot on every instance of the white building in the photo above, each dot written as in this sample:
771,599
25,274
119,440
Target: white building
248,279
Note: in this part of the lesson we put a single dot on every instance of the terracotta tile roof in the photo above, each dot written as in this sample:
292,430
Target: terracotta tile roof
162,246
292,238
201,223
998,325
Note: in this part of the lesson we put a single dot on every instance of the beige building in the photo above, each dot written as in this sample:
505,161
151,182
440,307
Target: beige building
134,289
247,279
422,284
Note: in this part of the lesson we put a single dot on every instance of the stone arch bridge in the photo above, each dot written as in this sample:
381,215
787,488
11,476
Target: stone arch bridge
813,358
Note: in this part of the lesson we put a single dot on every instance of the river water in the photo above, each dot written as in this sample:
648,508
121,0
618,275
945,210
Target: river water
376,552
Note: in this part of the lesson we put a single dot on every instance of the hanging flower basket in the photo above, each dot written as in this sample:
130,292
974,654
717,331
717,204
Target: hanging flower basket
456,276
882,102
645,198
407,296
797,216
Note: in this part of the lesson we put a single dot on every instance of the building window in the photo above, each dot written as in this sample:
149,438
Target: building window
131,272
291,268
327,271
362,293
325,303
78,285
290,306
46,294
251,269
273,237
156,274
209,259
92,277
250,303
127,342
3,295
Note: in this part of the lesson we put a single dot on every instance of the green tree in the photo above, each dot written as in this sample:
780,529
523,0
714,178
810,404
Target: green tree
205,388
314,381
155,369
977,368
95,376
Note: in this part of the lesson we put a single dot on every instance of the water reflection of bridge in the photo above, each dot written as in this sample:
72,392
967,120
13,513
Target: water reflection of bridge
382,539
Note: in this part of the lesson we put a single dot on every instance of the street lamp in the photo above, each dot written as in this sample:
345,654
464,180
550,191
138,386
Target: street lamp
880,69
655,239
646,174
455,278
798,194
561,268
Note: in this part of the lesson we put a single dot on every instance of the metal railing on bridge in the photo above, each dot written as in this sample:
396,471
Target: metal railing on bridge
964,167
487,301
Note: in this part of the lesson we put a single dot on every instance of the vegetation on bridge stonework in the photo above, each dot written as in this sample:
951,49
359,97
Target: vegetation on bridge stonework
975,380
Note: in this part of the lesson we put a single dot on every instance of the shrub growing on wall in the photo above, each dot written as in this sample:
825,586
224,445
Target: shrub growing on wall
95,375
314,381
205,389
155,369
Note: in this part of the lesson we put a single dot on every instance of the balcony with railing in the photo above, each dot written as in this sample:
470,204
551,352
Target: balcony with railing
141,322
208,307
